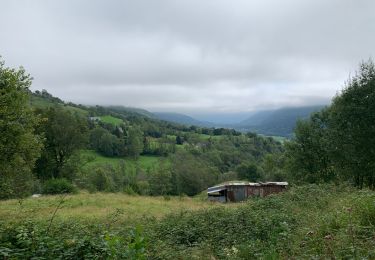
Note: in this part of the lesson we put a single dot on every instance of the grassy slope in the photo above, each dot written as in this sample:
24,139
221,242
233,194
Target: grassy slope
98,207
280,139
143,162
39,102
111,120
308,222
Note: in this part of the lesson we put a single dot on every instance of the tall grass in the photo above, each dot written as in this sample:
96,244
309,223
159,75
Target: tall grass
307,222
95,207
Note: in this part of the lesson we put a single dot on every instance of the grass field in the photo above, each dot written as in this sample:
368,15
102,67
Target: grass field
280,139
143,162
98,207
111,120
39,102
306,222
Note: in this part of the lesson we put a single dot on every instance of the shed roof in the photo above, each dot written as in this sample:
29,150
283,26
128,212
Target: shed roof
279,183
225,185
216,189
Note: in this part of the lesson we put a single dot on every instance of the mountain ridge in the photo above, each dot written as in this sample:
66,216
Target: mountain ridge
279,122
276,122
181,119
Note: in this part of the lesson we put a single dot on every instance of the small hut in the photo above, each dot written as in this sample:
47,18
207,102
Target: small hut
240,191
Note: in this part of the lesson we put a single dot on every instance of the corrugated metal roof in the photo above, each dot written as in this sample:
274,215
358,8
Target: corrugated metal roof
281,183
240,183
225,185
216,189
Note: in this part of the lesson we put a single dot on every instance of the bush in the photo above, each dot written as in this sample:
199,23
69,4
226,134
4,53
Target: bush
17,185
97,179
69,240
58,186
106,178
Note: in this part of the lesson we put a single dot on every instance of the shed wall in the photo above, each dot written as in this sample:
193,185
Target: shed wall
271,189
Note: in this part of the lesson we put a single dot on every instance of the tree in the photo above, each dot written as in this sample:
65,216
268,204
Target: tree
19,145
273,166
352,127
95,135
338,142
160,180
135,141
191,175
179,140
248,172
308,156
109,145
64,134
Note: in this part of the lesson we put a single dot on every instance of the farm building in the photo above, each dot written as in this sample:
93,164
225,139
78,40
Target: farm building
239,191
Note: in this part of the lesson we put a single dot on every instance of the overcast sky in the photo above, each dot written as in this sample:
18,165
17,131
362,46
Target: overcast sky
203,56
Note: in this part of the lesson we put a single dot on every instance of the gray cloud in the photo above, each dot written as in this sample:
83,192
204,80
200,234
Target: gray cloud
189,56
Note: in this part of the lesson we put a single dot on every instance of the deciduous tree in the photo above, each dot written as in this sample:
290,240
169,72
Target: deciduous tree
64,134
19,145
352,126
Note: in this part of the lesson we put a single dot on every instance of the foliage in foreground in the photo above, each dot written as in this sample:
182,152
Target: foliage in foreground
58,186
69,240
306,222
19,145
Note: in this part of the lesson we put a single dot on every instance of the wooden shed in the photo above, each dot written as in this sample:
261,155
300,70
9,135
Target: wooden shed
240,191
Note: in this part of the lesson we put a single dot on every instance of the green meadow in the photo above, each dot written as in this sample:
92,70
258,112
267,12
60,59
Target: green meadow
111,120
98,207
144,162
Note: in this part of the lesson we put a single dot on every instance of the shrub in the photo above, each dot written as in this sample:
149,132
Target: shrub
69,240
17,185
106,178
58,186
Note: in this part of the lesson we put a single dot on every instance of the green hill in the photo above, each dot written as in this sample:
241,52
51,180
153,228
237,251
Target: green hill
279,122
43,102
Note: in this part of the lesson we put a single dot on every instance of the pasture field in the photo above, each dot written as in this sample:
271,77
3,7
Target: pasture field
280,139
306,222
39,102
144,162
111,120
206,137
98,207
